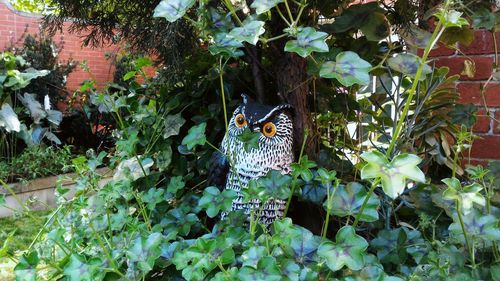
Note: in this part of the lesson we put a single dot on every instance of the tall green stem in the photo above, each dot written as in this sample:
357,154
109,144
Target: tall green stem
294,183
365,202
221,80
411,93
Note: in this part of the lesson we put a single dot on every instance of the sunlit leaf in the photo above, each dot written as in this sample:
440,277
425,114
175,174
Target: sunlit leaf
308,40
348,69
392,174
262,6
196,136
226,45
249,32
348,250
173,10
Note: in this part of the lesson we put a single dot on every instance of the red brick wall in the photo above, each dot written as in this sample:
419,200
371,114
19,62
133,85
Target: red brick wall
481,51
13,25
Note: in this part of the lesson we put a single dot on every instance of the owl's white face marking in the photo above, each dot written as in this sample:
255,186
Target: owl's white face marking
274,153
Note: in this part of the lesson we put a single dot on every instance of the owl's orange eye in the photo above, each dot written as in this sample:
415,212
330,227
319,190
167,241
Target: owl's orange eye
269,129
240,121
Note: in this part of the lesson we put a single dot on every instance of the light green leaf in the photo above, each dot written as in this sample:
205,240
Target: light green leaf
249,32
226,45
451,18
262,6
214,201
173,10
252,256
308,40
348,69
25,270
145,250
392,174
266,270
467,195
408,64
196,136
348,250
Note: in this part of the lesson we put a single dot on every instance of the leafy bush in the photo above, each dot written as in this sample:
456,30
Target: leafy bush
36,162
41,52
383,220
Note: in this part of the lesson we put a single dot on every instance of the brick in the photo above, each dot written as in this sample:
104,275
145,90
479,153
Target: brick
441,51
487,147
482,44
470,92
482,122
484,66
496,122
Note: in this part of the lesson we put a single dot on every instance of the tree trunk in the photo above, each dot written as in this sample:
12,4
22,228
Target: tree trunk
291,78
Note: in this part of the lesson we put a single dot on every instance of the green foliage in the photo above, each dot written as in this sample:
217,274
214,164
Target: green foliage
156,218
36,162
392,174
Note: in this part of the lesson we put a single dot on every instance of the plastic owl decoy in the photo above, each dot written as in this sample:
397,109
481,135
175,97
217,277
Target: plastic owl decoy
275,152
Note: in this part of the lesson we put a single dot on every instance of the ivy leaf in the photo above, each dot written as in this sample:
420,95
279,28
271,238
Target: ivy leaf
348,69
451,18
390,245
266,270
262,6
348,250
250,139
202,257
303,169
252,256
291,270
477,226
417,37
173,124
467,196
2,200
249,32
408,64
25,270
153,197
175,184
484,18
213,200
145,251
164,158
226,45
348,200
77,269
308,40
393,174
464,114
173,10
376,27
178,220
196,136
276,184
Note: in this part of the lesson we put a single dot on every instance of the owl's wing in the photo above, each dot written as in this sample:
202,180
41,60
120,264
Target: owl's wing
219,168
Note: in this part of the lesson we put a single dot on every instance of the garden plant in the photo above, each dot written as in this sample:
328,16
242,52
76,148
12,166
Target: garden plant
388,202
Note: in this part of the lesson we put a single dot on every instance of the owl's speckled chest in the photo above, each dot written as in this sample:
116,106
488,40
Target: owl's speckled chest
255,163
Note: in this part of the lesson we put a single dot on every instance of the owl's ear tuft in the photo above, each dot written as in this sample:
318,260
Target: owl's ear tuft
246,98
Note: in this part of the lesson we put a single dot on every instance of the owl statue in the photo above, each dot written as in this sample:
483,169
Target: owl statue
275,152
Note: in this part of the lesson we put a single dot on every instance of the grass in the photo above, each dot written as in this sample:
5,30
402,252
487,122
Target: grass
25,228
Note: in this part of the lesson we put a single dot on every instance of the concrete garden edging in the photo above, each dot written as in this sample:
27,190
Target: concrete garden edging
43,189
